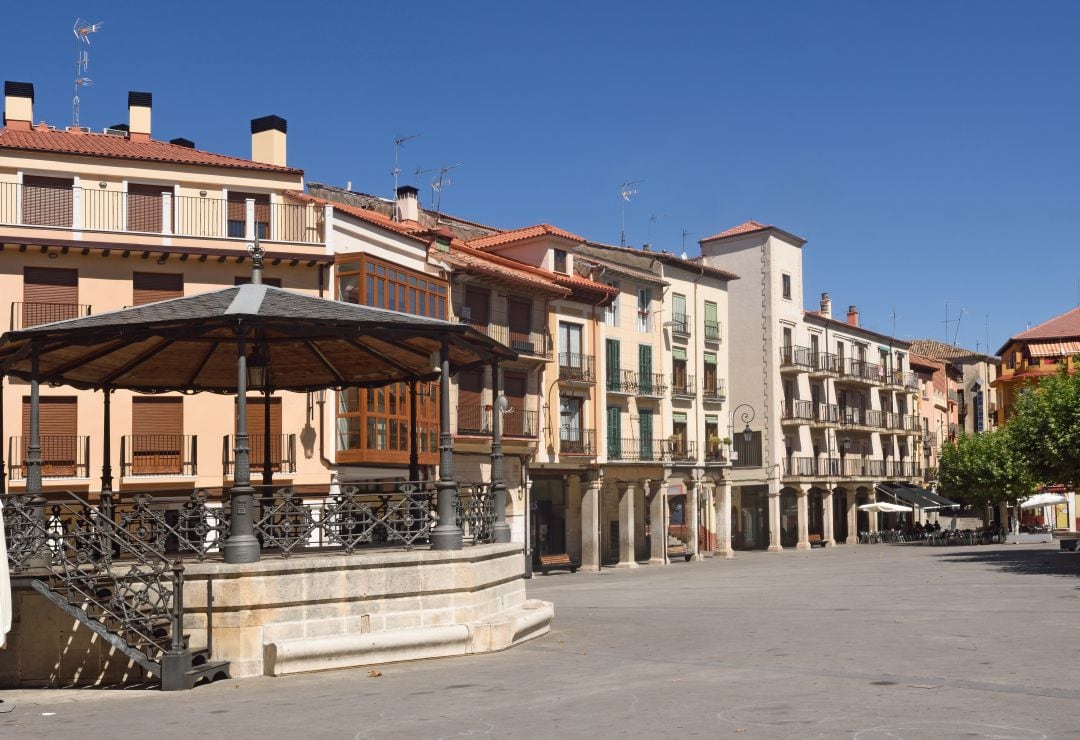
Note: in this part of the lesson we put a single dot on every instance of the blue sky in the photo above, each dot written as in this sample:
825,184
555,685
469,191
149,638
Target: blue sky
927,150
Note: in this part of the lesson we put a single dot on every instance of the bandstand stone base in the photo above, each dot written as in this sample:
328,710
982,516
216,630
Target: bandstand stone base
310,612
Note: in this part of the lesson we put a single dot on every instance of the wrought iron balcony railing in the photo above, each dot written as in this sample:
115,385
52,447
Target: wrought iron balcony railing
795,358
713,391
680,324
62,456
577,441
636,450
796,411
824,363
27,314
528,343
713,331
826,413
621,381
652,384
682,386
282,453
681,450
159,454
475,419
574,367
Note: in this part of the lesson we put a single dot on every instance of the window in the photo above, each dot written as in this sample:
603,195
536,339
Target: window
711,382
679,379
157,436
611,313
614,373
149,287
788,338
749,453
644,298
472,416
786,281
519,319
144,208
680,447
614,433
645,434
371,282
46,201
236,215
258,431
680,321
57,431
49,294
571,435
815,347
560,260
712,323
519,422
475,310
645,375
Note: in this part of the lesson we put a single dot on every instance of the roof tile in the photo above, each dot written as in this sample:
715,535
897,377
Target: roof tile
517,235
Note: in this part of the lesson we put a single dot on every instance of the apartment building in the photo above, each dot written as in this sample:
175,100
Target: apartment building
823,411
974,392
937,408
1031,355
93,221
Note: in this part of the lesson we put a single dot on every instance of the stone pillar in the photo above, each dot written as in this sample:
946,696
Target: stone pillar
626,525
640,550
693,544
657,522
873,522
852,518
1070,511
774,522
708,514
723,521
574,514
803,519
827,534
590,527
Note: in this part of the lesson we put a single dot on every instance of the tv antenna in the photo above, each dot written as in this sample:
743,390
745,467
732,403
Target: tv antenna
399,141
82,31
652,220
626,192
685,234
439,182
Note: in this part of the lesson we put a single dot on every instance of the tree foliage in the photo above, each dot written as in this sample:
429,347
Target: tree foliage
1046,428
985,468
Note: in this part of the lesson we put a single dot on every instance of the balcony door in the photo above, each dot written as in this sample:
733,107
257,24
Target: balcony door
477,301
519,317
614,433
645,426
47,201
570,345
645,376
144,208
57,430
256,424
472,418
614,380
570,420
516,423
157,436
49,294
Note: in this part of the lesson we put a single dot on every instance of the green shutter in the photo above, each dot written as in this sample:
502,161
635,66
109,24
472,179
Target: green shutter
645,423
678,418
613,382
710,358
678,353
710,312
614,433
645,368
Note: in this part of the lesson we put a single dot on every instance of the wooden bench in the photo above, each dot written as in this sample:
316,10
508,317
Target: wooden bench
557,560
815,539
680,550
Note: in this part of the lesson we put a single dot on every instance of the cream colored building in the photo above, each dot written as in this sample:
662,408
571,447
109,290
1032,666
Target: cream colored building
829,405
93,221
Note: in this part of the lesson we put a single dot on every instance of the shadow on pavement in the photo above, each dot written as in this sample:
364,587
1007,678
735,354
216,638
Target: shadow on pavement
1039,562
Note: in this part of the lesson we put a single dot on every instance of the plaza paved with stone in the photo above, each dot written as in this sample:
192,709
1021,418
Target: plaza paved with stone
867,642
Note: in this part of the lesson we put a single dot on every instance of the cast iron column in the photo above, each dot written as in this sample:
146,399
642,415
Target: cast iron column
414,436
268,464
3,464
106,462
241,547
447,533
33,445
500,530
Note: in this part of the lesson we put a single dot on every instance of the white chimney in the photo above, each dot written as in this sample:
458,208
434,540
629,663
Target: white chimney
139,106
826,306
19,105
407,206
268,140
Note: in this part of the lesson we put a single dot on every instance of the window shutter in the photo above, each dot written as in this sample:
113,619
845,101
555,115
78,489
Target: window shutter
144,207
678,353
149,287
645,425
614,432
157,435
710,312
57,428
256,416
46,201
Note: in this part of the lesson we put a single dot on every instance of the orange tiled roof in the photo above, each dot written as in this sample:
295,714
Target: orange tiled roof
363,214
1067,325
119,147
495,266
747,227
517,235
935,350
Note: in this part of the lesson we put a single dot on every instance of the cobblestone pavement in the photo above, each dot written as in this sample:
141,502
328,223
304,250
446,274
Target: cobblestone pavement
871,642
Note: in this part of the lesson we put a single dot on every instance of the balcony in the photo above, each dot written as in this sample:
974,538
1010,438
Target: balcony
683,386
713,331
824,365
652,384
680,324
577,368
796,412
713,392
901,469
717,452
680,450
62,456
623,382
158,455
912,423
475,420
636,450
795,359
862,468
576,441
825,415
800,467
94,209
862,372
855,418
529,344
892,422
282,453
875,419
25,315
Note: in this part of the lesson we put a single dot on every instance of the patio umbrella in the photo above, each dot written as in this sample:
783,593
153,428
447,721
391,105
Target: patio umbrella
1043,499
884,507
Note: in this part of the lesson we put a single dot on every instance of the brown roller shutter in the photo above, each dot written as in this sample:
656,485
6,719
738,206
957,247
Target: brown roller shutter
58,430
256,424
236,216
476,301
156,286
46,201
144,207
49,294
157,436
514,390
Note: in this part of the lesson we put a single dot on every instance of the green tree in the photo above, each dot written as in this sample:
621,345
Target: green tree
1046,428
985,468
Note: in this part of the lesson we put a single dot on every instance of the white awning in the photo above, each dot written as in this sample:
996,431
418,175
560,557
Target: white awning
885,507
1043,499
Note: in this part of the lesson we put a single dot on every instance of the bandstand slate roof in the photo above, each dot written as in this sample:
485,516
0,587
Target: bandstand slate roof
190,344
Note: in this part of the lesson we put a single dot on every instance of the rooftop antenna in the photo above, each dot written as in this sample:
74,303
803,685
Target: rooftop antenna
82,31
439,182
685,234
399,141
652,220
957,332
626,192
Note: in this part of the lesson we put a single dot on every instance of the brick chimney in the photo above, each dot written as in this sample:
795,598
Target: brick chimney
826,306
853,316
19,105
407,205
268,140
139,106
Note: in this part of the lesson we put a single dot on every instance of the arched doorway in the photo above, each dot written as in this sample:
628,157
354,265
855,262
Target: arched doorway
815,510
789,517
840,514
862,496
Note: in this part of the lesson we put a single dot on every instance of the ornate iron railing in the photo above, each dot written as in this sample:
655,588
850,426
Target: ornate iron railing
282,452
577,367
682,386
62,456
27,314
158,454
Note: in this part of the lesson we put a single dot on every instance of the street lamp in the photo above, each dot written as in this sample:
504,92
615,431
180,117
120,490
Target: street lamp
745,417
257,370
